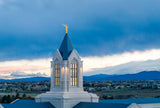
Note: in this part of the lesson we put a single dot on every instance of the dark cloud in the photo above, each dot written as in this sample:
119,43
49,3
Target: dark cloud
33,28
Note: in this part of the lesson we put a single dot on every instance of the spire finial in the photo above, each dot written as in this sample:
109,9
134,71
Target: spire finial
66,28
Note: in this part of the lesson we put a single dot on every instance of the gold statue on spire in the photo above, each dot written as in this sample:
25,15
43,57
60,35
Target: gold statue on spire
66,28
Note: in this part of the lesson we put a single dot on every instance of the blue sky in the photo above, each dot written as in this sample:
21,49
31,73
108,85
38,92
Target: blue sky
32,29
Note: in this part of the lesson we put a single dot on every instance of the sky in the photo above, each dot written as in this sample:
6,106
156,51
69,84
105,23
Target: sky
111,36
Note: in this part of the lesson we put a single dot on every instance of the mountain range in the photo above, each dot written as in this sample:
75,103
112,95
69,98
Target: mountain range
144,75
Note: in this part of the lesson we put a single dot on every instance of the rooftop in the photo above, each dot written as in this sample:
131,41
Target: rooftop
27,104
129,101
66,47
100,105
114,103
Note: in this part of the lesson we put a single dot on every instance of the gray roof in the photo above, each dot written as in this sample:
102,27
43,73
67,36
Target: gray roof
100,105
66,47
27,104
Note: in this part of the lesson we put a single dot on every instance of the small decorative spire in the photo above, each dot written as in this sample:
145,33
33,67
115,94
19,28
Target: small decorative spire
66,28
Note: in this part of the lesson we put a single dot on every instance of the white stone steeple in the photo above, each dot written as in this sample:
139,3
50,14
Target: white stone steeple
66,79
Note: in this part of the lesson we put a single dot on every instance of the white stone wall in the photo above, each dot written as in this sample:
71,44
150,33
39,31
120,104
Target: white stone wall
65,85
65,95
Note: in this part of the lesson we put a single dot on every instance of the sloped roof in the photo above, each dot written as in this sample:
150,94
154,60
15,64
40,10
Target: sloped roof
115,103
129,101
100,105
66,47
32,104
17,101
28,104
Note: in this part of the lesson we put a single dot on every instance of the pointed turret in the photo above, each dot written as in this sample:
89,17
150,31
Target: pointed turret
66,47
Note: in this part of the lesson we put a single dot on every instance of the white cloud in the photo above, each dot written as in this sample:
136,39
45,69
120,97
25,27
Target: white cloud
92,62
23,74
128,62
128,68
27,66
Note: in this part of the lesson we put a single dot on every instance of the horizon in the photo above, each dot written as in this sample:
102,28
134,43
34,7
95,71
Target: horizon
20,78
113,39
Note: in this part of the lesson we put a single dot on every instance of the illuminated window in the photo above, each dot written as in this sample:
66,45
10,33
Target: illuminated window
73,74
57,75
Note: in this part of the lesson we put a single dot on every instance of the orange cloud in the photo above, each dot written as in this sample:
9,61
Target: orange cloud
21,68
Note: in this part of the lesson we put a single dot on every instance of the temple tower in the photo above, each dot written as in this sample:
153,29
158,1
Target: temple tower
66,78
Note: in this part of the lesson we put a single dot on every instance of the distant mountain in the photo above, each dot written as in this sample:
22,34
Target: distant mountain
2,80
144,75
97,77
33,79
29,79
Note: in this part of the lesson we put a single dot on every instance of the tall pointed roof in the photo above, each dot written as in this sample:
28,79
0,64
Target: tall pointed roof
66,47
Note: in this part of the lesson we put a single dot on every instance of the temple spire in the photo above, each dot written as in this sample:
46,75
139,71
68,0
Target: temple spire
66,47
66,79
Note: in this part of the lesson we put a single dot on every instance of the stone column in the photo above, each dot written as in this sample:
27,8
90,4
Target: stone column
81,75
52,76
64,72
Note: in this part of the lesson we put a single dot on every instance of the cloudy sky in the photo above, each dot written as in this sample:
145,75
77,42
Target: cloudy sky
111,36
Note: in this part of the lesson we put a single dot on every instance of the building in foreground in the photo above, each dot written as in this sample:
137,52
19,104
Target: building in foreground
67,86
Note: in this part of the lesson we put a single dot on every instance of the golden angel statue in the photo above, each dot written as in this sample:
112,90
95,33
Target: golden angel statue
66,28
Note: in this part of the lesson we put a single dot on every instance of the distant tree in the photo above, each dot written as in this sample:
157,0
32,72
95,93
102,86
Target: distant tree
24,95
111,97
29,97
105,96
22,87
13,96
8,99
4,99
92,85
17,95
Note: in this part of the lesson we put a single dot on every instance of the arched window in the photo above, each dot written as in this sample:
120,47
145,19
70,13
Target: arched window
73,73
57,74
